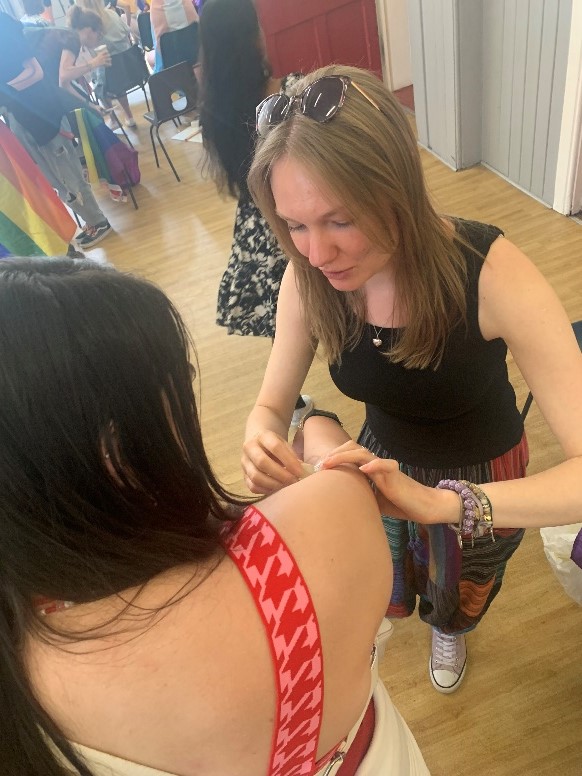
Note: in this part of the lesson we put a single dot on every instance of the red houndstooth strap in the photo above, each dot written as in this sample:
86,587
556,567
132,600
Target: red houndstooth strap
286,608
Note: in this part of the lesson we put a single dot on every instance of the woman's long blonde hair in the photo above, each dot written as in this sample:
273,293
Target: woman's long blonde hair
369,161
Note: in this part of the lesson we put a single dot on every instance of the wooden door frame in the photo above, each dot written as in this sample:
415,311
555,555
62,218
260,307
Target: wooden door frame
568,185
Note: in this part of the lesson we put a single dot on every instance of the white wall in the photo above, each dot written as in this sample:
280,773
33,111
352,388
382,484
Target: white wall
489,79
12,7
568,191
525,48
395,42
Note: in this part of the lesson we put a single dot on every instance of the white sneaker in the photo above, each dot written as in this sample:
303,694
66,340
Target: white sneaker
301,411
447,662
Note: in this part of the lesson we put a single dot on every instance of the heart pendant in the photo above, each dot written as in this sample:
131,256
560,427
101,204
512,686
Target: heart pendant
376,342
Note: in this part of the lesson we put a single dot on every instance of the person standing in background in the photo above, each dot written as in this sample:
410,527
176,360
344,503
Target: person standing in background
116,36
168,16
38,108
235,76
35,14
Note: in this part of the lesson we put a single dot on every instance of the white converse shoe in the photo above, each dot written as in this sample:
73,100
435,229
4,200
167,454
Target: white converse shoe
301,411
447,662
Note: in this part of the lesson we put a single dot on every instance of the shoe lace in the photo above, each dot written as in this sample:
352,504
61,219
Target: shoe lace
445,649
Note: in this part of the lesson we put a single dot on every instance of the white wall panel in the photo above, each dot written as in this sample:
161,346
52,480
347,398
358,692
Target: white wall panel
432,38
524,61
518,95
558,92
489,81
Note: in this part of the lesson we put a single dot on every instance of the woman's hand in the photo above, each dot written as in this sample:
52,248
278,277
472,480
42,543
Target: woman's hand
101,59
269,463
398,495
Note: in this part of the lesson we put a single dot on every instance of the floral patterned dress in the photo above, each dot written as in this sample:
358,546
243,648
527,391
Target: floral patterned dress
248,291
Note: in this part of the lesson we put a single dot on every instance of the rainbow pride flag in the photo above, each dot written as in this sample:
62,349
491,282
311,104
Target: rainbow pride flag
33,220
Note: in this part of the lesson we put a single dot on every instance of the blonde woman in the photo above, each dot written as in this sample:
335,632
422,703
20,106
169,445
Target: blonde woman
415,312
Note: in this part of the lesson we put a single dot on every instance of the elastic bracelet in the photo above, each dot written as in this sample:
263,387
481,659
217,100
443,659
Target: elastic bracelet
476,511
485,523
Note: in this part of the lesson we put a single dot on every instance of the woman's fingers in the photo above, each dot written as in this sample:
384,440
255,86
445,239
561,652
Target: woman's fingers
269,463
380,466
349,452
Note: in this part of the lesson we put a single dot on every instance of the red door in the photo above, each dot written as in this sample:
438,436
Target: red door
304,34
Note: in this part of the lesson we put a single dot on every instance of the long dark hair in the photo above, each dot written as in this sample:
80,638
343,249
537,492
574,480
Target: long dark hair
104,481
235,73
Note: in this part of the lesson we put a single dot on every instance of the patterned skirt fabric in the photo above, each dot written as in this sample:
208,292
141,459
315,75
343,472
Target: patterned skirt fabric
455,588
249,289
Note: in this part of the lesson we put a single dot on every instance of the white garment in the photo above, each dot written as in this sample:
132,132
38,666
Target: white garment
392,751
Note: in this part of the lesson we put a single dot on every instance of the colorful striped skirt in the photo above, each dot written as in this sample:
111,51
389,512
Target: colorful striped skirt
454,587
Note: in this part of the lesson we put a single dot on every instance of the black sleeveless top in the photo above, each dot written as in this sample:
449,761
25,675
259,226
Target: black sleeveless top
462,413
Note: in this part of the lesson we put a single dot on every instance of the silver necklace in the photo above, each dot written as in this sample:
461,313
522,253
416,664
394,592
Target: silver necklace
376,341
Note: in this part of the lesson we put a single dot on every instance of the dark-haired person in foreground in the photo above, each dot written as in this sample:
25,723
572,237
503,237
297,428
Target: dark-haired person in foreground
151,623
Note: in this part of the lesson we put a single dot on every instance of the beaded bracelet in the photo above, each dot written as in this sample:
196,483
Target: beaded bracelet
476,515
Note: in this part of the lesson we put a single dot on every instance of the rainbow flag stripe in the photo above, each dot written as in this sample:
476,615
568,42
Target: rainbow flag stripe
33,220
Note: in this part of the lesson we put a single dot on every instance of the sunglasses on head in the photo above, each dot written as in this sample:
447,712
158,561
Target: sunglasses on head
320,101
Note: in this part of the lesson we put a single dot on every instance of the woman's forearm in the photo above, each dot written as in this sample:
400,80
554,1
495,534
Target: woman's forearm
72,72
549,498
262,418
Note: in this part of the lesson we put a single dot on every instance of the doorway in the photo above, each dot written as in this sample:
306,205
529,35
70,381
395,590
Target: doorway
393,29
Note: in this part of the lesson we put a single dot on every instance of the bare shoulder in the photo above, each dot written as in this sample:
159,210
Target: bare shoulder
336,498
332,524
513,293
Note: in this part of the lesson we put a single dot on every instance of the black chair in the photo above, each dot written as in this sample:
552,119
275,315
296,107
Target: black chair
180,46
127,73
165,86
144,26
577,326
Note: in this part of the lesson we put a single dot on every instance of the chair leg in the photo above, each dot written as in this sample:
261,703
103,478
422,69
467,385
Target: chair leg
154,145
526,406
166,154
130,189
122,128
125,135
146,97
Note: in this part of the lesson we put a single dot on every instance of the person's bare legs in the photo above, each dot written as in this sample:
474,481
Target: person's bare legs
124,102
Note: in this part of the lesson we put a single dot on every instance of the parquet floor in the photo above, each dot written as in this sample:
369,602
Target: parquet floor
519,710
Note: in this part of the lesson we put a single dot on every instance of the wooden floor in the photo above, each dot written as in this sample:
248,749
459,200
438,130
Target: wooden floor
519,710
